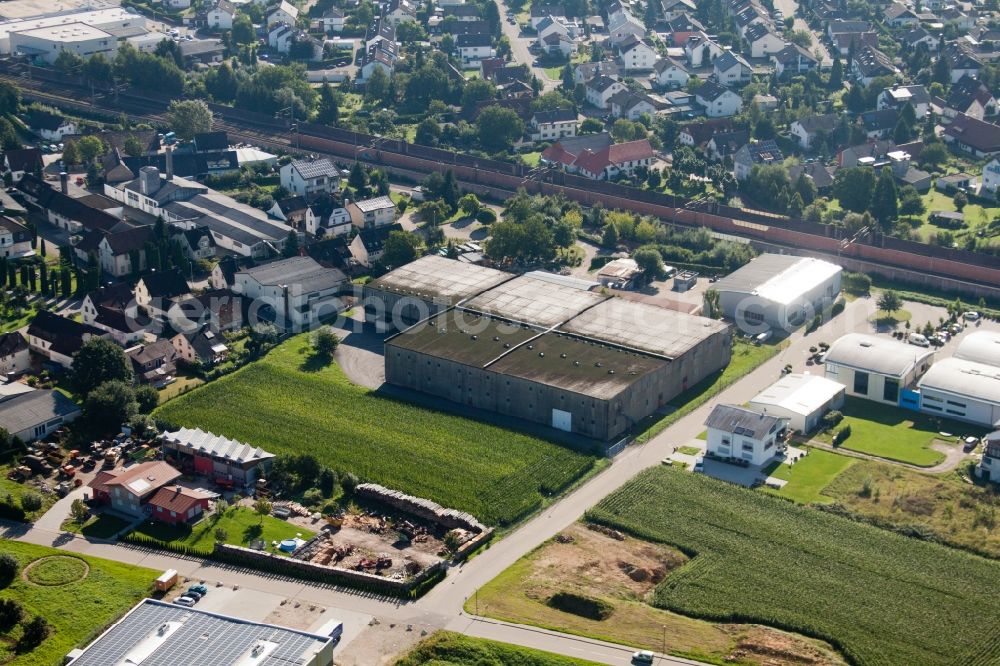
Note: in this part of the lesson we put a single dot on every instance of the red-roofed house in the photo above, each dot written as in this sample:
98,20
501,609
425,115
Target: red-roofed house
177,504
128,490
619,158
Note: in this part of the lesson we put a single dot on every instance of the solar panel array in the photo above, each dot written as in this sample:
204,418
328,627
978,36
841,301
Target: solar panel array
202,640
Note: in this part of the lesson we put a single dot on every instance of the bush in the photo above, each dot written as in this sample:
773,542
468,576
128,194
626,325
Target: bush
838,307
486,216
842,435
832,419
312,497
857,284
348,482
31,501
8,569
32,634
10,614
578,604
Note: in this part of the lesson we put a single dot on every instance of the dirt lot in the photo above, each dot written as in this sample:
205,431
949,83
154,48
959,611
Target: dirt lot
363,539
624,573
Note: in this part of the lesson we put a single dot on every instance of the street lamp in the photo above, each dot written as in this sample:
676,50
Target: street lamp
663,646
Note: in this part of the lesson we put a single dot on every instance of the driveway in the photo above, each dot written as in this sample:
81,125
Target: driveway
519,48
791,8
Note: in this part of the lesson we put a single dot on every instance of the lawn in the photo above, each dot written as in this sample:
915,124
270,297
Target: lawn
689,450
893,433
941,506
76,611
242,526
16,489
449,649
100,526
531,159
285,403
810,475
976,216
880,597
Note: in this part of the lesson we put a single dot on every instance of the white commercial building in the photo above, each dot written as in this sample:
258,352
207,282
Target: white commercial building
778,291
78,38
118,22
299,290
981,347
965,390
738,432
802,399
876,367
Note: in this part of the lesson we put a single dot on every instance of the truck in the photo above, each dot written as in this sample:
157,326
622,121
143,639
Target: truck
166,580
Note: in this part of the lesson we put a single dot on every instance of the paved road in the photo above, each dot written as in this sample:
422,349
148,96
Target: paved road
519,48
790,8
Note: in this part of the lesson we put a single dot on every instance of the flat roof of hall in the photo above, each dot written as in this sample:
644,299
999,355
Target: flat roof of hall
535,301
439,279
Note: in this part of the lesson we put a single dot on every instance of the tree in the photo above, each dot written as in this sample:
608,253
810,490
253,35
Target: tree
147,398
498,127
377,86
10,614
328,112
358,180
889,301
326,481
649,260
477,90
325,342
66,281
9,567
78,511
31,501
903,131
853,187
97,362
933,155
32,634
262,508
189,117
856,98
469,204
400,248
609,237
910,201
885,201
243,31
110,405
805,188
10,98
222,534
449,192
941,72
428,132
291,248
521,241
713,307
89,148
70,154
836,81
960,200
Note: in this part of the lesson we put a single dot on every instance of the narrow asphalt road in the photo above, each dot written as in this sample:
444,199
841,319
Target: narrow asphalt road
519,48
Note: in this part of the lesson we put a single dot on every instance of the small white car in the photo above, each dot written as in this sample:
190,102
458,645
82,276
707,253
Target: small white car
185,601
972,315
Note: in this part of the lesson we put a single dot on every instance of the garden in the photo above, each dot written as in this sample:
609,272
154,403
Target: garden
75,596
878,596
285,403
807,478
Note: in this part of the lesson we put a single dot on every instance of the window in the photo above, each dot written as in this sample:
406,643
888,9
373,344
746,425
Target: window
890,390
748,446
861,383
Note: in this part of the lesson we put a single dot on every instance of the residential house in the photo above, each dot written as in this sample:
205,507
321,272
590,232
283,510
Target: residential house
633,106
845,41
614,160
763,41
601,89
748,15
223,276
564,152
284,12
917,36
50,126
970,97
839,27
558,45
377,58
196,52
683,27
732,69
397,11
675,9
177,505
962,59
623,25
539,11
218,309
718,101
697,133
636,55
467,13
21,161
197,242
281,37
127,490
201,347
991,176
988,468
381,33
36,414
337,223
295,211
670,73
113,310
726,144
368,246
956,17
952,182
332,20
58,338
587,71
123,253
793,59
898,15
974,136
551,26
223,460
744,434
15,239
756,153
310,178
300,292
553,125
817,172
898,97
473,48
14,356
805,129
701,51
153,363
879,124
219,16
155,293
869,63
371,213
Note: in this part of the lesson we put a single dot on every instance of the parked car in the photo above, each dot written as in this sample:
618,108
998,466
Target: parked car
643,657
699,465
970,444
971,315
199,588
193,595
918,339
185,601
955,328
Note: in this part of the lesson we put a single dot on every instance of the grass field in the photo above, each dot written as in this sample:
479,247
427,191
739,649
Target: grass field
241,524
976,216
894,433
880,597
77,610
956,512
448,649
810,475
285,405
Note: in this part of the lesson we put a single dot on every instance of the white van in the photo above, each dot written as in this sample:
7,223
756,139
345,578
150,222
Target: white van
918,340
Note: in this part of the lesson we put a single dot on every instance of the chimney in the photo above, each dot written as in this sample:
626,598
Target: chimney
170,163
64,182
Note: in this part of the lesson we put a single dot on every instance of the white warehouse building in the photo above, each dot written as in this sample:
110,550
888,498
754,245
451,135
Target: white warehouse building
116,23
877,367
967,386
801,399
78,38
778,291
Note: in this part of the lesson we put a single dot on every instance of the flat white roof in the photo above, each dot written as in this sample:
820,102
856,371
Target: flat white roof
878,354
99,18
981,347
976,381
69,32
779,278
799,393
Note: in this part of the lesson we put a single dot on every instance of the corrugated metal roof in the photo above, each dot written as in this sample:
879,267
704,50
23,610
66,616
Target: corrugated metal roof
209,444
881,355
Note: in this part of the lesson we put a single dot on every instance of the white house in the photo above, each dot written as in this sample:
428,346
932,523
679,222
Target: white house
637,56
991,176
793,59
475,47
876,367
624,25
601,89
285,12
220,16
553,125
337,223
732,69
670,73
332,20
51,126
763,42
701,50
632,106
898,97
372,213
300,291
309,178
757,153
745,434
15,239
801,399
807,128
281,36
14,356
718,101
